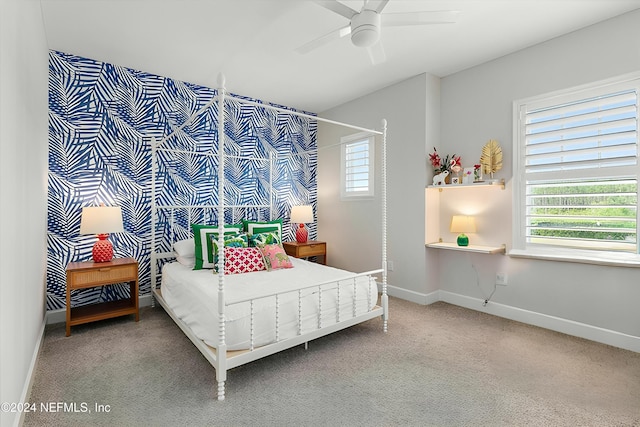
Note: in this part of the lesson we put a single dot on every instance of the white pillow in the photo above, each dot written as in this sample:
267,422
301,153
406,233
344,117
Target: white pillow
185,248
186,261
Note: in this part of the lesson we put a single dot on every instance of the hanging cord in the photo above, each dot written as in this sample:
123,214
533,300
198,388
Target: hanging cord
486,298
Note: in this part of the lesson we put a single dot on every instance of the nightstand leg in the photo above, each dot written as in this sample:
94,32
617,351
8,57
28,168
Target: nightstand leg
68,311
133,293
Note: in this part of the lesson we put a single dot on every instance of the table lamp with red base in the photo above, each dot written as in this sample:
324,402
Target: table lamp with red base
101,220
301,215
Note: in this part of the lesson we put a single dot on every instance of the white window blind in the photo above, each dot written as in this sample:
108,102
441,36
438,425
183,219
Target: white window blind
578,157
357,166
590,133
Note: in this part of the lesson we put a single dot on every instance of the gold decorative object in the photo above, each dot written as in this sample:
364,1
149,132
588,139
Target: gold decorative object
491,158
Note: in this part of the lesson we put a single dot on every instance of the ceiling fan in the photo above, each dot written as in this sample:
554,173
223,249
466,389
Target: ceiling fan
365,25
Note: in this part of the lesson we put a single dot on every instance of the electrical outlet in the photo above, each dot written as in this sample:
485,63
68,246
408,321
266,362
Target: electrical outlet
389,265
501,279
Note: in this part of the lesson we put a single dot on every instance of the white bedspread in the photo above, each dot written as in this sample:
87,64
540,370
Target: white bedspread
193,296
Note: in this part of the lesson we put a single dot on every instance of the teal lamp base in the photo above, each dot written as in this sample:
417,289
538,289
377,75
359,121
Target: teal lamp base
463,240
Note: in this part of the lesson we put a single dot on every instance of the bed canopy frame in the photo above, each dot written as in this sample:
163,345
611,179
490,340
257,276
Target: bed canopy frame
221,358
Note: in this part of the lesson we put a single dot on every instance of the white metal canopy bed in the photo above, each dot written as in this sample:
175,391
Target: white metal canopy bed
256,314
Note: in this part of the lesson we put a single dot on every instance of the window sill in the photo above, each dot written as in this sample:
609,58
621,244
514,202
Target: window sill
583,257
358,198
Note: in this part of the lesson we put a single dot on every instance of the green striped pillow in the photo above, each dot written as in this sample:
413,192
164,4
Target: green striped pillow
257,227
205,252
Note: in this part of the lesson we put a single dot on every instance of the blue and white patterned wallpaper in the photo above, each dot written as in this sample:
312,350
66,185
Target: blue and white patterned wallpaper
101,121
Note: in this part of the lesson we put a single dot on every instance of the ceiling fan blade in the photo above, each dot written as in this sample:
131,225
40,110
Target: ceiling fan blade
321,41
420,18
337,7
376,5
376,53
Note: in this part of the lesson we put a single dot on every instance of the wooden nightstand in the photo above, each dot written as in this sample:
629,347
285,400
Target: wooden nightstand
92,274
308,249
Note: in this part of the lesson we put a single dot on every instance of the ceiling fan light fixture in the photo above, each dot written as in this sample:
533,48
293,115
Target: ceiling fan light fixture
365,28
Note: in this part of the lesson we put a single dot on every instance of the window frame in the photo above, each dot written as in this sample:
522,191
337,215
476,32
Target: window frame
520,246
345,142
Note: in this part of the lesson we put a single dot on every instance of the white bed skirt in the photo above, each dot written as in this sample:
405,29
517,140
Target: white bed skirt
193,297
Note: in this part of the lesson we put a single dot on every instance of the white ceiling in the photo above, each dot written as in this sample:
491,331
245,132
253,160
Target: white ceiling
253,42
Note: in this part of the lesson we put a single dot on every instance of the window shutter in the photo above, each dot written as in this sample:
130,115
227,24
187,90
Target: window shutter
357,166
580,168
592,133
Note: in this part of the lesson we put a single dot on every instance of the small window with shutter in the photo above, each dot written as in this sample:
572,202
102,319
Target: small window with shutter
357,170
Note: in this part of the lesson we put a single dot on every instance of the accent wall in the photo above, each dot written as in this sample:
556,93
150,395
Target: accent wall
102,118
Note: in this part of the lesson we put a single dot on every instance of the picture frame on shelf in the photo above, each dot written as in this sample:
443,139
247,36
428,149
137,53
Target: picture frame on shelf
455,180
477,173
467,175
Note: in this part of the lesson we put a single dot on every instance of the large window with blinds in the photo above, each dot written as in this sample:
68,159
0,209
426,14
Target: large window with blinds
576,170
357,166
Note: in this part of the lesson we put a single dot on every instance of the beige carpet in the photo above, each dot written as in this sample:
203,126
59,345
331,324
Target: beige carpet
438,365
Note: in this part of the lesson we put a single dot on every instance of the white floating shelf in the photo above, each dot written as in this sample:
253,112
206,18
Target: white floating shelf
470,248
499,183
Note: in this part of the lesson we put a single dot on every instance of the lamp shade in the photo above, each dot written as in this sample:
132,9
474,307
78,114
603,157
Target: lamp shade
101,220
463,224
302,214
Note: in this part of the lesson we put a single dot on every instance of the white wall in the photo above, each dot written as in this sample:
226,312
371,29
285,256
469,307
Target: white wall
23,181
461,113
352,228
476,107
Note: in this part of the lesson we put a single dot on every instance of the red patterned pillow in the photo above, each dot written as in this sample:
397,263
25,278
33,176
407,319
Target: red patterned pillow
242,260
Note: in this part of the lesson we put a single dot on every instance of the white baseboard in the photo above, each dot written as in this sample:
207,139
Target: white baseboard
569,327
145,301
60,316
56,316
417,297
558,324
26,390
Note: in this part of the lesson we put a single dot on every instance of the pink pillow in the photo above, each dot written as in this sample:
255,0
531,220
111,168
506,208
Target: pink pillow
242,260
275,257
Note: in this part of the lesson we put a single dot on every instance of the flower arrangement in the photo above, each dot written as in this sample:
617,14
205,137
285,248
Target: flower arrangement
477,173
450,163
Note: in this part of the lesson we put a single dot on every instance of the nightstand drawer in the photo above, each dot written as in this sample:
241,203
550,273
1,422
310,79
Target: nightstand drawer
312,250
91,278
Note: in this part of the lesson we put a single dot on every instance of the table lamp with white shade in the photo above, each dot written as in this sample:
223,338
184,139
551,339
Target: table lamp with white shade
101,220
302,215
463,224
